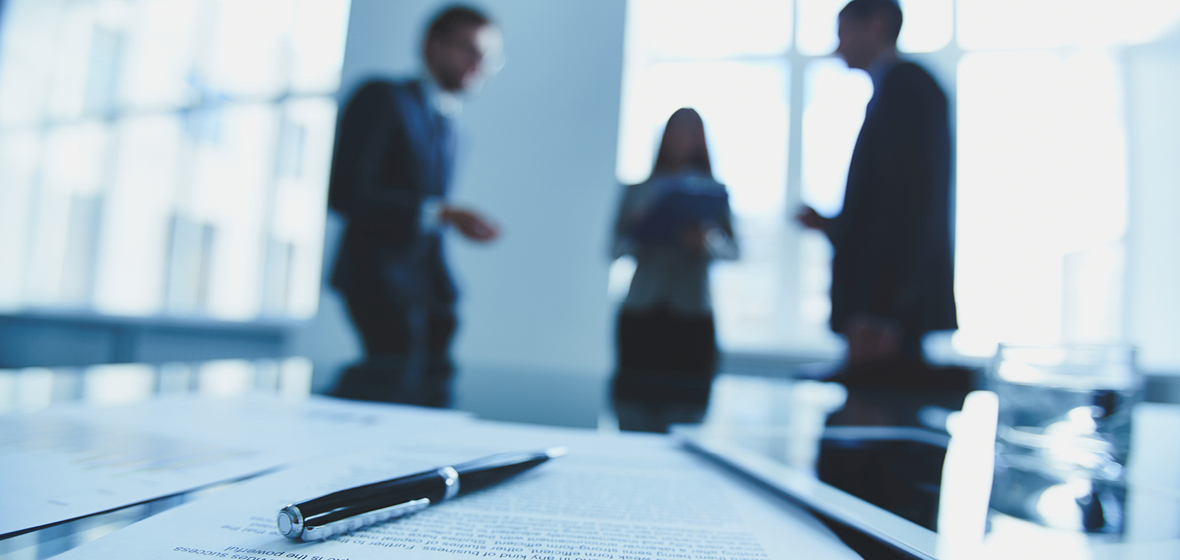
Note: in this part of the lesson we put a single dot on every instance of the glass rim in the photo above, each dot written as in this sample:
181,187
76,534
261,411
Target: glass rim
1068,346
1063,352
1091,366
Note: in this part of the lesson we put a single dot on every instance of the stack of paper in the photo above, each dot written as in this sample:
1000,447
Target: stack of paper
76,460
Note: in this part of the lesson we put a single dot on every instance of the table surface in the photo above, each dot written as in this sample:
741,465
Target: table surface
888,449
851,441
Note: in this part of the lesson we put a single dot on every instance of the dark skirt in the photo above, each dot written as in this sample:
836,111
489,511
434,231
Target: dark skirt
664,357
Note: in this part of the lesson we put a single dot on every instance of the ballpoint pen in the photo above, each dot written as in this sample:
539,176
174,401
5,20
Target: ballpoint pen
348,510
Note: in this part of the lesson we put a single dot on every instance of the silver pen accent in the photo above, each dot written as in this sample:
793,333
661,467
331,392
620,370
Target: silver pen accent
451,479
291,521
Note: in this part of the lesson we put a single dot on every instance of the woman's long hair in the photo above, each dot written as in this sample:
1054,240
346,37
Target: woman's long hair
684,121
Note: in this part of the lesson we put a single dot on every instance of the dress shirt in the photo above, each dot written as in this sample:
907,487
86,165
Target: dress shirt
447,105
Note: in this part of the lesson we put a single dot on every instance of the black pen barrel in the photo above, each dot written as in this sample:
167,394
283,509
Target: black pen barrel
476,477
429,484
351,509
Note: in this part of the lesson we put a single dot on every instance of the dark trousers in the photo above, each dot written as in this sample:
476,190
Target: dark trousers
666,363
407,353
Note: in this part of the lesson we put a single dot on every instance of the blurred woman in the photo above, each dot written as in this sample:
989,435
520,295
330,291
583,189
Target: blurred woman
666,341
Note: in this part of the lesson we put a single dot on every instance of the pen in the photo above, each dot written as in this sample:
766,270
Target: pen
348,510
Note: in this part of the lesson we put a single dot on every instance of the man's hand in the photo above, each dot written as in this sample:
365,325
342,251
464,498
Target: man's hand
694,239
872,339
810,219
471,224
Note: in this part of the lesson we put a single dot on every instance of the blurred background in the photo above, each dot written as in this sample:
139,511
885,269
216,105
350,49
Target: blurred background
163,176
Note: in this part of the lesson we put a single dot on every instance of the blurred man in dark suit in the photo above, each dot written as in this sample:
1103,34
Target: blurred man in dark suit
892,267
391,173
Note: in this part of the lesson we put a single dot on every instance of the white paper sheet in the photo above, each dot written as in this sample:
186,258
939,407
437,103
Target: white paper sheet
73,461
615,497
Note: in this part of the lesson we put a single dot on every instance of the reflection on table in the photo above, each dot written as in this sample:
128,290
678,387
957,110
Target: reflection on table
926,458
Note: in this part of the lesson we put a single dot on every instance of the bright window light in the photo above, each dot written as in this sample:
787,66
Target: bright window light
73,34
834,108
19,153
24,75
834,103
928,25
710,29
295,378
751,305
817,26
1028,24
1041,207
116,384
251,54
745,120
66,208
316,36
8,380
166,156
1055,124
230,196
297,220
225,378
159,57
33,389
131,275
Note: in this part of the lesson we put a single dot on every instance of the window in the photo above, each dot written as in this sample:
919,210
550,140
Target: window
166,157
1042,176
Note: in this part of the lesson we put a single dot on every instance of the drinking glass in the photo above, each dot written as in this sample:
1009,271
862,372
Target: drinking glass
1064,433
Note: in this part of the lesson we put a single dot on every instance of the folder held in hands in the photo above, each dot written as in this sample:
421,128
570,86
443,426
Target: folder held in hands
684,202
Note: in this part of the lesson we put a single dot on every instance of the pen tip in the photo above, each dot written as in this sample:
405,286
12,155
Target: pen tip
554,452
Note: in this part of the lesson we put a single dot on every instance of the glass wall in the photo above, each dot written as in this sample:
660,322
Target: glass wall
1042,179
166,157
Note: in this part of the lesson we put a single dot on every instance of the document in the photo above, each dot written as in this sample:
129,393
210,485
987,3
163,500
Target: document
621,496
73,461
683,202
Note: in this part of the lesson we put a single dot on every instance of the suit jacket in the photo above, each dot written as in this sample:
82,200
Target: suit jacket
393,153
892,241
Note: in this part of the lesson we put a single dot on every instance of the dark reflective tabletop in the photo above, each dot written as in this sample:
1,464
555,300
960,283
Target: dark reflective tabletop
883,467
